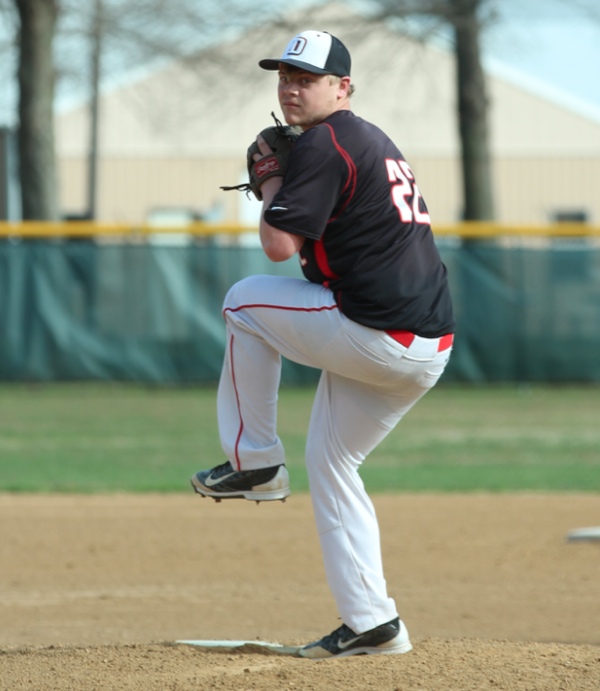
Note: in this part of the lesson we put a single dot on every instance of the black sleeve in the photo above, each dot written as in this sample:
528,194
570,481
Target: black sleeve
311,187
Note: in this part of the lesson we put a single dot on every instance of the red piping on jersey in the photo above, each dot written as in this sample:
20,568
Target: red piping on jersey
349,187
322,261
351,179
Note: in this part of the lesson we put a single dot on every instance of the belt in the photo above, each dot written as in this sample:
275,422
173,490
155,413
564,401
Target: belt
405,338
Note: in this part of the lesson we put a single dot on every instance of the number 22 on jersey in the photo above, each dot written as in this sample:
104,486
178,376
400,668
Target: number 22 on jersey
405,194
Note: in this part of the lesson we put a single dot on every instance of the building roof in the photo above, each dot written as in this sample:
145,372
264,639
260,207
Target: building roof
215,104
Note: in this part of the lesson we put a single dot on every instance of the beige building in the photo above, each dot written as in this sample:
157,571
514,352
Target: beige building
170,138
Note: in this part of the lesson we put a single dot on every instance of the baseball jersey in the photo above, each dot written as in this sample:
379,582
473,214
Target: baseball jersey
349,191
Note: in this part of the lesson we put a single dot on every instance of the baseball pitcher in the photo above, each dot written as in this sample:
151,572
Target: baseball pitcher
373,313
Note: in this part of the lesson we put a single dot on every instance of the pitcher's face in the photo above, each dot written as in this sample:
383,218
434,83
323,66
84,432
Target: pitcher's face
307,98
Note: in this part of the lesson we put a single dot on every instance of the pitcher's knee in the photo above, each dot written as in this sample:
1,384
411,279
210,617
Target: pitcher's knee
233,296
247,291
240,294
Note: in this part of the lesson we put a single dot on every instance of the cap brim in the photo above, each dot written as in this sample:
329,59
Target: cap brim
273,64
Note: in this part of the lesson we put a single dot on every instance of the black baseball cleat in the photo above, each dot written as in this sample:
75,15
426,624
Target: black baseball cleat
390,638
223,482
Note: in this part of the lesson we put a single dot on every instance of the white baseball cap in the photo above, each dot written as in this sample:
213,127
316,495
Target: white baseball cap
314,51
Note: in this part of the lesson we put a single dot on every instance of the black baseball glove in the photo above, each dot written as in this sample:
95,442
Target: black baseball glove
281,139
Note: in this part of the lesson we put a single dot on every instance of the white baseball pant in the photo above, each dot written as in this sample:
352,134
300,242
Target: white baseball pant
368,382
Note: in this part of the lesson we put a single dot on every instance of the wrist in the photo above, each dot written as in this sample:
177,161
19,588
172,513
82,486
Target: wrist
270,187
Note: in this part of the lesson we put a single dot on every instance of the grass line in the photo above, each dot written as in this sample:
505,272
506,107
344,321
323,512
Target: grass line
103,437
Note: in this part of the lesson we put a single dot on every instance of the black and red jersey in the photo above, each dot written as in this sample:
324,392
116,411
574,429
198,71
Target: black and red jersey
349,191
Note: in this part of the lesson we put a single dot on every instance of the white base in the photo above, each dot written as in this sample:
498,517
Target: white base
275,647
584,534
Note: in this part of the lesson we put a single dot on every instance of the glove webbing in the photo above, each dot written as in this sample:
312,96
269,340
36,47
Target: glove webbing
245,186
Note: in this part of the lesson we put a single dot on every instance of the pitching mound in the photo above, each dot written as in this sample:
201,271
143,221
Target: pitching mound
96,590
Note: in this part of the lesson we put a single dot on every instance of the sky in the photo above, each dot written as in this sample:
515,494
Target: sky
547,46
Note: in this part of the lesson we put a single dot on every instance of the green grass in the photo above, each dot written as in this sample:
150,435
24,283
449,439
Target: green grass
119,437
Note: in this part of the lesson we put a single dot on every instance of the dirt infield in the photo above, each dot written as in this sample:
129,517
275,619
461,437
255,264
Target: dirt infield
96,590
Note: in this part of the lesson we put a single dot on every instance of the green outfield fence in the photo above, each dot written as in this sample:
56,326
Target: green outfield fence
100,301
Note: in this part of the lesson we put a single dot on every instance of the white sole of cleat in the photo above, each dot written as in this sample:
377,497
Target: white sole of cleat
257,495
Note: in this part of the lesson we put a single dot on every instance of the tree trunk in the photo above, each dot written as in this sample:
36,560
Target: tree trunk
36,117
472,114
95,70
